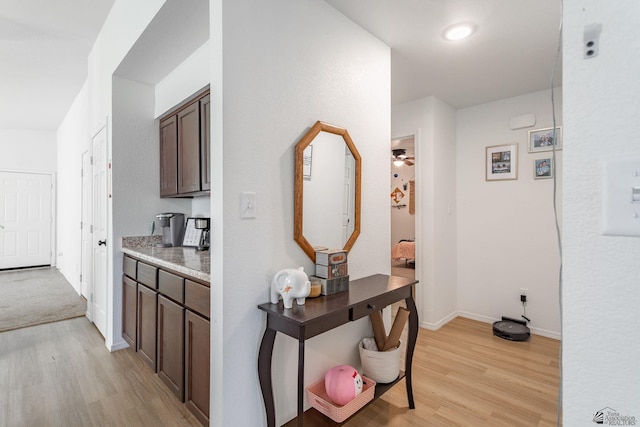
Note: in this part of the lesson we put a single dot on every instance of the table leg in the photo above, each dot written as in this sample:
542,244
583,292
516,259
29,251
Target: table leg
411,345
300,381
264,374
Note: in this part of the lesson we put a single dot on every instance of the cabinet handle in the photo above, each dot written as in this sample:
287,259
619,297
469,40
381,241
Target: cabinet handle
371,306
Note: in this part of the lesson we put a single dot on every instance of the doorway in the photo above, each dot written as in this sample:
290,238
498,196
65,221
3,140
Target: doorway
403,207
26,219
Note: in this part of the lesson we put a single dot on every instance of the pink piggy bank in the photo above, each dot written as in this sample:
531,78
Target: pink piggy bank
342,384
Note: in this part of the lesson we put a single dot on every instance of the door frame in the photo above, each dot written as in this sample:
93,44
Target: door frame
53,257
86,201
420,261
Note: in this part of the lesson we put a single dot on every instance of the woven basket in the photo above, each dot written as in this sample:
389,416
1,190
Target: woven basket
381,366
318,398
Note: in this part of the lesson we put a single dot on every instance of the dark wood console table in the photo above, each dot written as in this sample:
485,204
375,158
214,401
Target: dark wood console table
324,313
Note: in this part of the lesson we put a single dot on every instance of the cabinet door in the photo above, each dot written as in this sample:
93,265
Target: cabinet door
147,310
197,366
169,157
205,144
129,306
171,345
189,148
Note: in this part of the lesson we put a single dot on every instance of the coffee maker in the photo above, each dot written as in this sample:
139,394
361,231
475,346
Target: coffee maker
172,225
204,225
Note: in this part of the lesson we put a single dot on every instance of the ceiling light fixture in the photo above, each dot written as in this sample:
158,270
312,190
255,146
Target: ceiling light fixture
459,31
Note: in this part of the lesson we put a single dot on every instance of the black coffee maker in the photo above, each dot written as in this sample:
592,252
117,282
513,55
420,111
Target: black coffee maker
204,225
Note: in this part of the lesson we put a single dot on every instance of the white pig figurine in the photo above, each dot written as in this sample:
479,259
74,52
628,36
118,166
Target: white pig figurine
290,283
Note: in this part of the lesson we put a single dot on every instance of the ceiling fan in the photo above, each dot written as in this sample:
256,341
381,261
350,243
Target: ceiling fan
400,157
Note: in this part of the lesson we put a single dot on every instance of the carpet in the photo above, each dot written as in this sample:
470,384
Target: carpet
35,296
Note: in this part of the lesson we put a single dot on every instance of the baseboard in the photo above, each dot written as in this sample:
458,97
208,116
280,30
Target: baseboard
119,345
440,323
535,331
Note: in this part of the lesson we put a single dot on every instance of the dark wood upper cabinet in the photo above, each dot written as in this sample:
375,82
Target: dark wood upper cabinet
189,149
169,156
185,148
205,147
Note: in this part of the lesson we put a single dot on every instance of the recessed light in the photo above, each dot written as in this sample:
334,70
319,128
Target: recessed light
459,31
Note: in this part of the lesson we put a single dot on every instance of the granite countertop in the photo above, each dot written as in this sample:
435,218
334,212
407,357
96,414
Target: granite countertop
183,260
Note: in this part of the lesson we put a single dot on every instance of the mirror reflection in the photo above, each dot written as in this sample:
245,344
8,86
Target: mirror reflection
327,205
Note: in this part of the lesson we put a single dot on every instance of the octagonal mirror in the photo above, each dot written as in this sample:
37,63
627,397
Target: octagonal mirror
327,190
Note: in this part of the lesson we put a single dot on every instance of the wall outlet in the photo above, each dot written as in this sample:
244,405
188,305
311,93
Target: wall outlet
523,291
591,40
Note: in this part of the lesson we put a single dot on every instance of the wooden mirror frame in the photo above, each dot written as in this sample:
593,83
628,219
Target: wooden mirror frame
304,142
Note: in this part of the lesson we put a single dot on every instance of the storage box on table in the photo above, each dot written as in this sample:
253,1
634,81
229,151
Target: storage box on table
332,271
331,286
331,257
318,398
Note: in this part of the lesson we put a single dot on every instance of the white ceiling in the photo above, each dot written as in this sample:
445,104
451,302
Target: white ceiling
512,52
44,46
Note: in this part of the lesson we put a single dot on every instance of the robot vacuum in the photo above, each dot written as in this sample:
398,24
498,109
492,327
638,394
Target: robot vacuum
511,329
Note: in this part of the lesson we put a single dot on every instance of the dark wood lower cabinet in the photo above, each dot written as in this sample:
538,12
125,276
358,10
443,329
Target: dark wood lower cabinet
146,330
171,345
164,317
197,366
129,303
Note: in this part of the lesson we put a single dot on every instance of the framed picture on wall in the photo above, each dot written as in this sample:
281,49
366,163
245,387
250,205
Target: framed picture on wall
501,162
543,168
545,139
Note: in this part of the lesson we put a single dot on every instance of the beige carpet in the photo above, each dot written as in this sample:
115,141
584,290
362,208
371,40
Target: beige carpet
35,296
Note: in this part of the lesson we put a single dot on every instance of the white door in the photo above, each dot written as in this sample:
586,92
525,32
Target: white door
86,241
99,243
25,219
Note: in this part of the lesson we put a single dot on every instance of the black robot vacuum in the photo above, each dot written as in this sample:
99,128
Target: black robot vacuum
511,329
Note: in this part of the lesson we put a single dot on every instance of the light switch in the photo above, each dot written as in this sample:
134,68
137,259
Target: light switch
247,205
621,198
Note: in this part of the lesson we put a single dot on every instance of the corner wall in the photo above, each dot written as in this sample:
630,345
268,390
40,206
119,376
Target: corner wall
506,230
600,294
73,140
434,125
286,64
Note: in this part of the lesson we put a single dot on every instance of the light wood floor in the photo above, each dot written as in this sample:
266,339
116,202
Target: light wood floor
60,374
464,376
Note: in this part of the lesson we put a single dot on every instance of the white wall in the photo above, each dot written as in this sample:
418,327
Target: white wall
188,78
28,150
506,230
600,293
72,140
434,125
286,64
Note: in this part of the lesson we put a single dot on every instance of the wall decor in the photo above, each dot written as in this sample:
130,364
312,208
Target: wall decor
501,162
543,168
544,139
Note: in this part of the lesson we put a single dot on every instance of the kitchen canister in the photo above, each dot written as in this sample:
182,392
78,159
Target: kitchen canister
381,366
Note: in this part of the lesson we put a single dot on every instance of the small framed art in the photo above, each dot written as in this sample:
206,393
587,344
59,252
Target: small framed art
545,139
543,168
501,162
